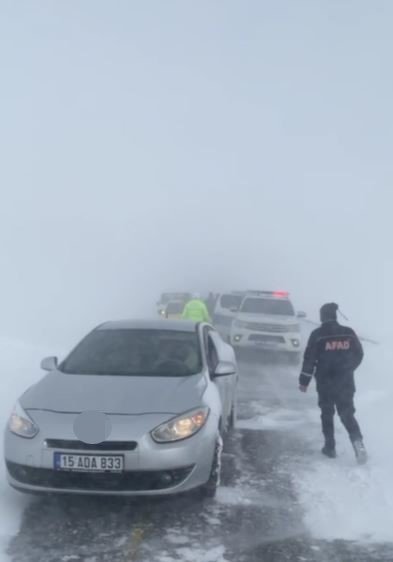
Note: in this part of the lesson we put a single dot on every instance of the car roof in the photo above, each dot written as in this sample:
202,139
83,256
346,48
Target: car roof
153,324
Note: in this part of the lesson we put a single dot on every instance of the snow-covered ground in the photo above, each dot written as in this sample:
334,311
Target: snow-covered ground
340,499
19,368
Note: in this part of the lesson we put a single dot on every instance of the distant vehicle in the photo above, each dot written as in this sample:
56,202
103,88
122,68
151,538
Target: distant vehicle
226,308
166,298
211,301
137,408
267,320
174,310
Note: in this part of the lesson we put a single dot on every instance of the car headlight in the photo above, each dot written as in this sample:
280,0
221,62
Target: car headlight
181,427
20,423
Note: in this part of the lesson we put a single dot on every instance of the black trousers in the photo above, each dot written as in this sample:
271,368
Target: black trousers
338,395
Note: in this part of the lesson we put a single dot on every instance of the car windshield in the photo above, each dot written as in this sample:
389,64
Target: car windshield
164,353
268,306
175,308
230,301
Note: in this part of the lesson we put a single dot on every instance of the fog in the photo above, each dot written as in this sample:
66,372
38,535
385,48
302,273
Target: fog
206,145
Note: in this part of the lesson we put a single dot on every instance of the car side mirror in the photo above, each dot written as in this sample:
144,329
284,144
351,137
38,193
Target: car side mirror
301,314
49,364
224,369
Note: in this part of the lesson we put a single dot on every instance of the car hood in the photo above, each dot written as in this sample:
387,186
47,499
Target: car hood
62,392
267,319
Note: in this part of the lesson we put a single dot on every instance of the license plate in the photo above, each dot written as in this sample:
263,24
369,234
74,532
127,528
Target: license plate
88,463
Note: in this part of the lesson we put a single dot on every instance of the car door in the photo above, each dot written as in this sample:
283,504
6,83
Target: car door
222,383
226,354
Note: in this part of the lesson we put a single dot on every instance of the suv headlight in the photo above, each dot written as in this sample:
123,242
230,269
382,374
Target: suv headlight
21,424
182,426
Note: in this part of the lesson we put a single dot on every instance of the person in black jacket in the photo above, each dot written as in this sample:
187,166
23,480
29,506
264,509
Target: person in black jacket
332,355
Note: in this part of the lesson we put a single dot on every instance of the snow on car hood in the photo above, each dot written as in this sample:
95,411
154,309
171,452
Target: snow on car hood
62,392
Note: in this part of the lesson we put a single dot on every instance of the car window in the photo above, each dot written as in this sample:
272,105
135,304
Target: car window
268,306
136,353
175,308
230,301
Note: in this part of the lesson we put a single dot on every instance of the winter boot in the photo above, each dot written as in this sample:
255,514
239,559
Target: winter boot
329,451
360,451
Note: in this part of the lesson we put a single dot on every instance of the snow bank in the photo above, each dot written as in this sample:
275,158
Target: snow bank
19,368
340,499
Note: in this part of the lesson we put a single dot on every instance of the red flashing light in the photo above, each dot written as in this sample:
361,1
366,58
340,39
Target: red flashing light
280,294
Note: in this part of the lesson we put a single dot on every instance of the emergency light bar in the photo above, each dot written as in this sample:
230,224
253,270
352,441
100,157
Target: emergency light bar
275,294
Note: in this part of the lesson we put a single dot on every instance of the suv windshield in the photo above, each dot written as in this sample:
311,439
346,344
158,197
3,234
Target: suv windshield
230,301
161,353
268,306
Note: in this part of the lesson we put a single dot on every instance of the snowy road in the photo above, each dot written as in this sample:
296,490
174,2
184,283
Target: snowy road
262,511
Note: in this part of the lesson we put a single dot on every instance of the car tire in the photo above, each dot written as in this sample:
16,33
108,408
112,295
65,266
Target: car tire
232,417
209,489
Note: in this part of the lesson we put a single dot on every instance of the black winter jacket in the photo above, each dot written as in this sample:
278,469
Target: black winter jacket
332,354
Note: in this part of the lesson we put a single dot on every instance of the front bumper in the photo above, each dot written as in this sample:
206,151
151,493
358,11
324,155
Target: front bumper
27,478
149,468
284,342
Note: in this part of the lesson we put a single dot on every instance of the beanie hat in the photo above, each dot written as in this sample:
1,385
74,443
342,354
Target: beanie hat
328,312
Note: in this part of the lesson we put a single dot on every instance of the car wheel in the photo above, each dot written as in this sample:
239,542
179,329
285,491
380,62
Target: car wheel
209,489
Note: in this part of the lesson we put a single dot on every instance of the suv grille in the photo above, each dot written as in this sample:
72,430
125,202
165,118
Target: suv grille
272,328
263,338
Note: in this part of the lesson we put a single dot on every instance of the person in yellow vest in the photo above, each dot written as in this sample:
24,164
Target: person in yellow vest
196,310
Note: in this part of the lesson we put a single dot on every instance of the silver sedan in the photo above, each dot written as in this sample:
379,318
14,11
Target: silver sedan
137,408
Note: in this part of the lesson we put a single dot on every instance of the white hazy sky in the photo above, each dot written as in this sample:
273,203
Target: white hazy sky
174,144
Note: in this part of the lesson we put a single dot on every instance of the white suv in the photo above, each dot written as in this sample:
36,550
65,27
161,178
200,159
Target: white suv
266,320
225,311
